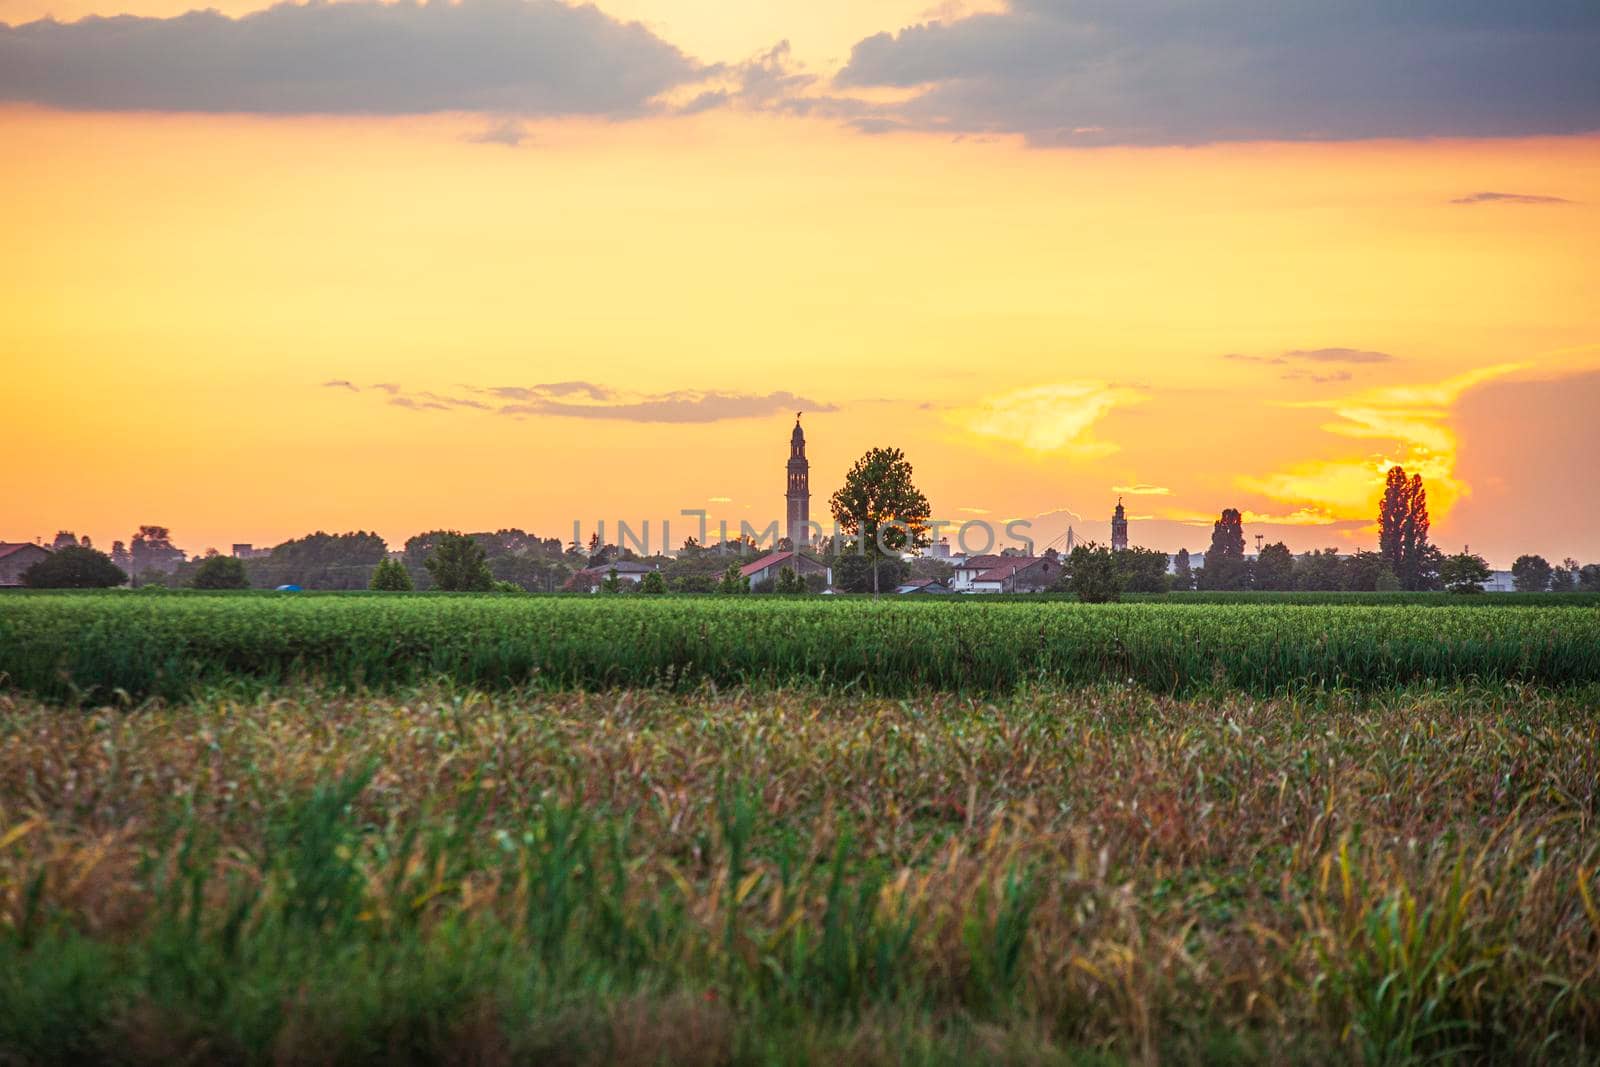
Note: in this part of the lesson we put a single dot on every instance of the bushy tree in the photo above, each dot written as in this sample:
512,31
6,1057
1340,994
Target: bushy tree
1465,573
732,581
1531,574
1366,572
74,567
1093,575
1182,570
879,496
221,572
1226,567
854,573
653,583
612,582
1275,567
789,583
391,576
1403,527
1141,570
1589,578
458,565
1564,579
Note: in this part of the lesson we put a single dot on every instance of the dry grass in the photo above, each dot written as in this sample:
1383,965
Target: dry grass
1383,880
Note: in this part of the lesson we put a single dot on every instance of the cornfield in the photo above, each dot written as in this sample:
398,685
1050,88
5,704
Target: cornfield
121,646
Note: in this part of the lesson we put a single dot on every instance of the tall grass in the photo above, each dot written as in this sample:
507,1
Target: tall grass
123,646
449,876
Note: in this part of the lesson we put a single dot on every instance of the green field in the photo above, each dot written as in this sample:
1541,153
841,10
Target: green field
505,830
124,646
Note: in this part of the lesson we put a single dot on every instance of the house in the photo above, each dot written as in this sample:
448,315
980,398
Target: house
765,570
1007,574
628,570
16,557
924,586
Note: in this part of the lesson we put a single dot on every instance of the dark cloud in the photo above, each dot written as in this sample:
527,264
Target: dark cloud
1177,72
1509,198
510,57
508,132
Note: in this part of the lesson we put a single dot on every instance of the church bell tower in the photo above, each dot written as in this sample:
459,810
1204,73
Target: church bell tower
1119,529
798,493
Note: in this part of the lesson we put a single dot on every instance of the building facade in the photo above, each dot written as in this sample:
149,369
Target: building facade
798,493
1119,529
16,557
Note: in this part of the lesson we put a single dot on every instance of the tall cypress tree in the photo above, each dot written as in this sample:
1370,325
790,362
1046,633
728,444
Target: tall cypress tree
1403,527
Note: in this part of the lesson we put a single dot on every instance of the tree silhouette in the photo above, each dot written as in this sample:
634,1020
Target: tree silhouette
1225,565
1403,528
1531,574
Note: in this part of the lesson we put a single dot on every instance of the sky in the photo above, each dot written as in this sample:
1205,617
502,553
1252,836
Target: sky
516,263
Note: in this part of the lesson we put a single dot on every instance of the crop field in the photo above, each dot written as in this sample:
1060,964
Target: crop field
508,830
120,646
1101,875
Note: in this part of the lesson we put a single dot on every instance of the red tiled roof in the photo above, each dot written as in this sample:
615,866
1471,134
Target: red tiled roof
771,559
1009,567
8,547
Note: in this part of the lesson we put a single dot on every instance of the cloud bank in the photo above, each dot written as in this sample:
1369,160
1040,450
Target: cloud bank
511,57
1509,198
1087,72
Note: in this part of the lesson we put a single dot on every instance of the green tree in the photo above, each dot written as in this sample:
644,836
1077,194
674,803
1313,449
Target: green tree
789,582
1366,572
612,582
1531,574
1275,567
458,565
391,576
732,581
653,583
1141,570
1564,579
1464,573
221,572
1403,527
880,506
1226,567
1589,578
74,567
1093,575
1183,571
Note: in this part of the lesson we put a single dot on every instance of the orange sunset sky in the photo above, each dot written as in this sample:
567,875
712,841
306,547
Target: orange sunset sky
512,263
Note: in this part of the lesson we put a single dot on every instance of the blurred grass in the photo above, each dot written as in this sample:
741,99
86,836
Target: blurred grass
1093,875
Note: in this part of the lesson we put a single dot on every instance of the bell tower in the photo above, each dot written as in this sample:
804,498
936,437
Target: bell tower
798,493
1119,528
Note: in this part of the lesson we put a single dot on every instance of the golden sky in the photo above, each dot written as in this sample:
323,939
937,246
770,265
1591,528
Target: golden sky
250,326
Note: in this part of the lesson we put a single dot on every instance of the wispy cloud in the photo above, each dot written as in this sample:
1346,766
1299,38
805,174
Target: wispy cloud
340,383
587,400
1509,198
1339,355
1056,417
511,133
1142,489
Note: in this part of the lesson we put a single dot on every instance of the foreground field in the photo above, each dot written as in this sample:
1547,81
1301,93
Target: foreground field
127,646
1092,875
